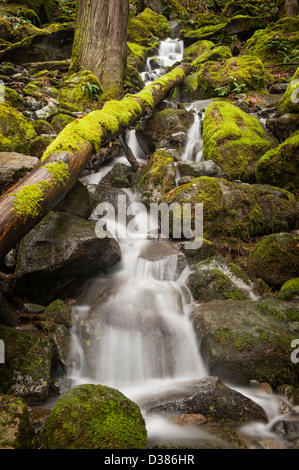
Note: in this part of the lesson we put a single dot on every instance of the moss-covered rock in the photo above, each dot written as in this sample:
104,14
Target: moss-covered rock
94,417
43,127
157,178
198,48
246,340
60,121
60,313
290,100
234,75
172,9
8,315
5,30
215,54
81,90
233,139
276,258
236,210
16,431
15,130
275,44
137,55
289,290
280,166
148,27
27,369
242,25
38,145
11,97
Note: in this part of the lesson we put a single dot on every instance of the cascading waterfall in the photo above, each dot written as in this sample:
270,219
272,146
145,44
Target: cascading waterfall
132,328
170,51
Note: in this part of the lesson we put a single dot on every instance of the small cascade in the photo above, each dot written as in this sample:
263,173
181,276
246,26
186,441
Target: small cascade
194,146
170,51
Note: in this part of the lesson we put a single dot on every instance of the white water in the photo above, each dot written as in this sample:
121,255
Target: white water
138,331
170,51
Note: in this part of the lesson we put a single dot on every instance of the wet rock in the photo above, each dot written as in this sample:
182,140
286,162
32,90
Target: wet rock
102,418
157,131
16,431
13,166
163,260
57,252
26,372
157,178
289,290
119,176
246,340
208,397
206,168
77,202
276,258
284,126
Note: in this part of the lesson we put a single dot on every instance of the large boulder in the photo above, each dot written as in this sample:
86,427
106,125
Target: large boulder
16,431
276,43
276,258
94,417
27,369
236,210
248,340
147,25
223,76
280,166
61,249
209,397
234,140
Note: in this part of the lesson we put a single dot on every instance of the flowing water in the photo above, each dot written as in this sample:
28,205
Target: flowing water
132,328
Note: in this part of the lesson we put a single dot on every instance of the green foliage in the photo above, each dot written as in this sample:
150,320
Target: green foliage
232,87
91,90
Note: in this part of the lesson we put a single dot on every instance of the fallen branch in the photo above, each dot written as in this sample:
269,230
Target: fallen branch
24,205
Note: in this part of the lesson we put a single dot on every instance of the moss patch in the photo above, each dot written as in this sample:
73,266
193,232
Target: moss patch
94,417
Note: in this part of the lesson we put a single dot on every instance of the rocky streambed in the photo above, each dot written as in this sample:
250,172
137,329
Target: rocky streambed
202,339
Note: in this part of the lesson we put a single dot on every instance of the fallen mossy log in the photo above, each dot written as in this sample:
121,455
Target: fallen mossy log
24,205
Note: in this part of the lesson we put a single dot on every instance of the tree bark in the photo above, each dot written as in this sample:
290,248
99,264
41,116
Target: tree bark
288,8
14,227
100,43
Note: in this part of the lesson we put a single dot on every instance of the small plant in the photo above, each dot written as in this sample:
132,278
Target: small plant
91,90
232,87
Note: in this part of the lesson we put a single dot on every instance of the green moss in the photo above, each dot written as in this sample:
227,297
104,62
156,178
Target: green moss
27,203
233,139
276,43
214,54
137,55
148,27
242,73
289,290
94,417
280,166
15,130
198,48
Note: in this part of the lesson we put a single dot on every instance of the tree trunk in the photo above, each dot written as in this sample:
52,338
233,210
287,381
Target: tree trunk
288,8
100,43
14,225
